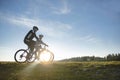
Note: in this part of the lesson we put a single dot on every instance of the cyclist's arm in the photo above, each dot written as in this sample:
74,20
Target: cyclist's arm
36,37
44,43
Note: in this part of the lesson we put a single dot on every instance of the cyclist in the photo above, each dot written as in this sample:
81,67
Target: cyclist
28,40
39,42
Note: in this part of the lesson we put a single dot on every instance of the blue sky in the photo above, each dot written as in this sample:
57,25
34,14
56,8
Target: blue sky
70,27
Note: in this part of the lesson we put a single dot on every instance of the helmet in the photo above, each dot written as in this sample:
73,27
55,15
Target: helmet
40,35
35,27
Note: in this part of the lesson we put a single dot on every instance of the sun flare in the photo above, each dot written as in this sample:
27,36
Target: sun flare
45,56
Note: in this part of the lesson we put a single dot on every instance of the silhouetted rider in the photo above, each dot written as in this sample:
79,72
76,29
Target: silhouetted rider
39,42
28,40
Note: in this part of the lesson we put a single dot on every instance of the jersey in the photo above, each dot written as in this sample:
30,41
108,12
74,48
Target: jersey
30,35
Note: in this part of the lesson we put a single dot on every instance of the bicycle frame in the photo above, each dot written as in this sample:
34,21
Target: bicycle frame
24,55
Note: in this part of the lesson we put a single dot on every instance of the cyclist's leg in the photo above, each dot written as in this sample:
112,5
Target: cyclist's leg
28,44
31,46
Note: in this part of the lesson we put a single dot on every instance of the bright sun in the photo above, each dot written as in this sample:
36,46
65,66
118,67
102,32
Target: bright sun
45,56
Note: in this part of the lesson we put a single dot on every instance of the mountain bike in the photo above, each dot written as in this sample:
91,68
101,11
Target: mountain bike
23,55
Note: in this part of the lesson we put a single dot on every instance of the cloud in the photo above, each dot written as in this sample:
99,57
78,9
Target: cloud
23,21
88,38
48,27
63,9
38,7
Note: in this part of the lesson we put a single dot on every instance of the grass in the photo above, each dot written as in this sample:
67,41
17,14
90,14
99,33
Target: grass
60,71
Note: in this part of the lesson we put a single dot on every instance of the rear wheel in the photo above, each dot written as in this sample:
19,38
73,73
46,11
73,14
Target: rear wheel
20,56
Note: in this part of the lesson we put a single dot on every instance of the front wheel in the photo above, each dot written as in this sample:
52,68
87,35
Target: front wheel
20,56
46,56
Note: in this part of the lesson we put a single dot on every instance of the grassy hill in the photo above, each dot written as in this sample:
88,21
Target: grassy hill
60,71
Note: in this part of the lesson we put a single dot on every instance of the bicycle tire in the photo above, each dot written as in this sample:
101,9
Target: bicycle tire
22,57
51,57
